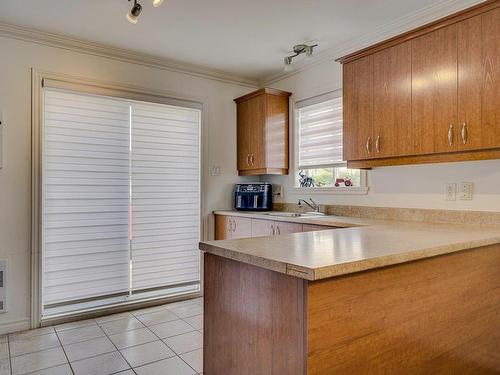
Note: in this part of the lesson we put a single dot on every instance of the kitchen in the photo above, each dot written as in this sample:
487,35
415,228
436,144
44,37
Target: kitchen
318,196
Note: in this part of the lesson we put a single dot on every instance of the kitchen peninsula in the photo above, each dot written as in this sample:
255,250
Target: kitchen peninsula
365,296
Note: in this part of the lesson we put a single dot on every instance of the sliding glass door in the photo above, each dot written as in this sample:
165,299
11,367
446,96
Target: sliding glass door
165,196
121,200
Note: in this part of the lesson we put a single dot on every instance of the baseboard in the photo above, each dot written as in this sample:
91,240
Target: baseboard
14,325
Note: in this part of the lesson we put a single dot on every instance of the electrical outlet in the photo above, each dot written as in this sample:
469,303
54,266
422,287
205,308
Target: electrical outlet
277,191
466,190
450,192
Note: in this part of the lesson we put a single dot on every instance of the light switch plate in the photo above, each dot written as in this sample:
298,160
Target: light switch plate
466,190
450,192
215,170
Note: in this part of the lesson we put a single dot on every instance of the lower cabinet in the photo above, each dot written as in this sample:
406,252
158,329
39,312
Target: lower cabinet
262,228
233,227
281,227
271,228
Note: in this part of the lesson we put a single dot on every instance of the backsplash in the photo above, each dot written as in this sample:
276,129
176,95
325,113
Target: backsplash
404,214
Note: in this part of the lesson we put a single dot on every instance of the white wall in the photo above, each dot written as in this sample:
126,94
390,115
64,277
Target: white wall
419,186
18,57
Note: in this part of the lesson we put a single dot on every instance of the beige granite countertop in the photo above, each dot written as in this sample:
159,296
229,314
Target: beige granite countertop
357,244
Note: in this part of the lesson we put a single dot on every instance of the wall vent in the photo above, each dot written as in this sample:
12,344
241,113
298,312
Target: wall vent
3,288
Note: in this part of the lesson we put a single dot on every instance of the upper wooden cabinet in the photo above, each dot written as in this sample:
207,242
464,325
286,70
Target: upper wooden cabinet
430,95
392,102
434,91
262,121
358,109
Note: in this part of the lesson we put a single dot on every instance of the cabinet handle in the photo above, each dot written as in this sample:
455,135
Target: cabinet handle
369,145
377,143
450,135
278,229
234,225
248,159
230,225
252,159
464,133
272,229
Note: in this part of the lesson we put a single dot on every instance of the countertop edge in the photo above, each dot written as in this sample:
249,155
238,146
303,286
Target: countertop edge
325,221
329,271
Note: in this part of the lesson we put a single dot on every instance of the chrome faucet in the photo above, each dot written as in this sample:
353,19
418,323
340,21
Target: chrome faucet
314,206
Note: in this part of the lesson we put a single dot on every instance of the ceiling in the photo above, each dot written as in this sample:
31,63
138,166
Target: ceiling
240,37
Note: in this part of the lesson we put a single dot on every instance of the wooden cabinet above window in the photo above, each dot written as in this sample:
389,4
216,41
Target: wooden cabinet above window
430,95
263,132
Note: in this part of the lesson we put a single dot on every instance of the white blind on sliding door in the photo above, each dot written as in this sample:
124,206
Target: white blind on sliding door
85,196
165,195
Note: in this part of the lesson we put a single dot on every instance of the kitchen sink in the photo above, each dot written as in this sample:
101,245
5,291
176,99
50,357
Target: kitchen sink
294,214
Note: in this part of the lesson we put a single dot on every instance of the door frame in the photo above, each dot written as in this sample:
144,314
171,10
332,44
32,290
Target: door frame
37,77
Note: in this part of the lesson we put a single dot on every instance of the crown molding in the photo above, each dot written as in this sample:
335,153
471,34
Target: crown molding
120,54
391,29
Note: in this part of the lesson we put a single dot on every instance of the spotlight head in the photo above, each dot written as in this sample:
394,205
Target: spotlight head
288,63
157,3
133,14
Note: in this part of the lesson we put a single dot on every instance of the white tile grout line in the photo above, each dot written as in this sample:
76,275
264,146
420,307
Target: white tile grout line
10,357
173,351
64,351
119,352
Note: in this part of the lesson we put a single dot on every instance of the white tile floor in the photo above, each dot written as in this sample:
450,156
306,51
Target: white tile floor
163,340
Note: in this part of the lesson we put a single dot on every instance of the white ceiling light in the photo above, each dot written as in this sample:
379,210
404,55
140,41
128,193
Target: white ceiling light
298,50
157,3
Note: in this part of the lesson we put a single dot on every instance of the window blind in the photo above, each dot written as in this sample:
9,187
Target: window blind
320,133
165,195
85,196
121,197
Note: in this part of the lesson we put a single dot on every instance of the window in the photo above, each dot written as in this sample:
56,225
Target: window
121,200
319,144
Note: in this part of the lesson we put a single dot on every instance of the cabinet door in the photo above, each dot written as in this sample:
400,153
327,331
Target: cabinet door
470,83
490,119
434,91
285,228
241,228
251,133
392,131
261,228
222,227
276,147
358,108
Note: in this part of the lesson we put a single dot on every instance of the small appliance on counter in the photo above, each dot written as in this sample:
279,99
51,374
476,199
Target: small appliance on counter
254,197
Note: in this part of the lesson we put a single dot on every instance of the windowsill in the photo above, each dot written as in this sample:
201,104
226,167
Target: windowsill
361,190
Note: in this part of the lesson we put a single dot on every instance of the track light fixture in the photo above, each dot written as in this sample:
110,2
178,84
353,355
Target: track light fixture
133,14
298,50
